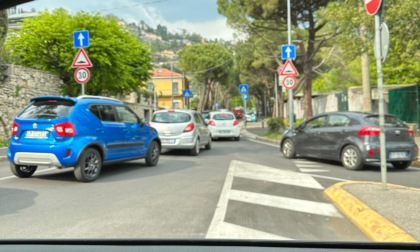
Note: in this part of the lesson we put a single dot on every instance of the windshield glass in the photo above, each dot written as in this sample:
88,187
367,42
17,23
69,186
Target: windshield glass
389,121
223,116
178,119
47,109
171,117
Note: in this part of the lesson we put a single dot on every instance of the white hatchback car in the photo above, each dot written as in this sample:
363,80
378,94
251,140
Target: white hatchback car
224,125
181,129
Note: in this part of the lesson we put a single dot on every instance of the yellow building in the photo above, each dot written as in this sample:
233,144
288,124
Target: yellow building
168,85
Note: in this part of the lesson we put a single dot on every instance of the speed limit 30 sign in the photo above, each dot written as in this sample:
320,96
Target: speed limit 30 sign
289,82
82,75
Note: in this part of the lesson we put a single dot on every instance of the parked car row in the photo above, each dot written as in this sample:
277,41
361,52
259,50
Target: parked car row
352,138
89,132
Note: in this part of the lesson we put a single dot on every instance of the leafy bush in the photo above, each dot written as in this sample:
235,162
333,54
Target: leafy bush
275,124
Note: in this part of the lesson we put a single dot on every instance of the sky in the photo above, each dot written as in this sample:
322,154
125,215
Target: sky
198,16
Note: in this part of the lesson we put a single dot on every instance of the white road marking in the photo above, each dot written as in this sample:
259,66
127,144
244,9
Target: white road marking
216,225
269,144
10,177
304,206
312,170
265,173
221,229
309,165
327,177
305,162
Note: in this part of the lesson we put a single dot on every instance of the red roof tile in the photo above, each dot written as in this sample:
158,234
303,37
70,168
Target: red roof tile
163,72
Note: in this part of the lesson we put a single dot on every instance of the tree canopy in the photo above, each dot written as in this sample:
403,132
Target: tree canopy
211,64
120,61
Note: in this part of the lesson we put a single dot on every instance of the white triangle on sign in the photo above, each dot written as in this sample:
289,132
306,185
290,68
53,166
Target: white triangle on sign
243,90
81,60
289,69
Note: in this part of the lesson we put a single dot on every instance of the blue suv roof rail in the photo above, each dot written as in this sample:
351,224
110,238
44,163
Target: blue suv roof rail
97,97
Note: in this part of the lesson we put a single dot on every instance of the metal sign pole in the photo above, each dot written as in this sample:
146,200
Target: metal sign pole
83,89
378,48
277,96
289,39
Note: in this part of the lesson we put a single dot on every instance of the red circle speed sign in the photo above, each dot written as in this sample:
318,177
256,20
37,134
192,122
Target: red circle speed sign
289,82
82,75
372,6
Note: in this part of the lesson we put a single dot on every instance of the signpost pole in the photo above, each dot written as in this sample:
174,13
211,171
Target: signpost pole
83,89
244,115
289,39
277,95
378,48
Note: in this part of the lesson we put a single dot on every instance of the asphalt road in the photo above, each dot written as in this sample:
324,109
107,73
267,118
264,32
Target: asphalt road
322,168
242,190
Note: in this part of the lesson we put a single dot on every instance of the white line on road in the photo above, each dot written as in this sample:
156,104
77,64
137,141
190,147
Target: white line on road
10,177
327,177
215,229
220,229
269,144
308,165
312,170
304,206
265,173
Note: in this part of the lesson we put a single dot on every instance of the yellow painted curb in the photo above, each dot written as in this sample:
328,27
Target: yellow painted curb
371,223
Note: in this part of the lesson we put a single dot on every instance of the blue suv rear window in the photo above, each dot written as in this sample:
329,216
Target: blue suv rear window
47,109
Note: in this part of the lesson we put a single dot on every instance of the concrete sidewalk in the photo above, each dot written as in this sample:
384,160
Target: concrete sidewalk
383,215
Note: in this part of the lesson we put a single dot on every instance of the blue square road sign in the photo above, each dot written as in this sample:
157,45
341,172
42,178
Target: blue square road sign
243,88
288,52
81,39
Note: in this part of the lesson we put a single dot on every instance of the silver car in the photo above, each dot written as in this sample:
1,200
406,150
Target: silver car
224,125
181,129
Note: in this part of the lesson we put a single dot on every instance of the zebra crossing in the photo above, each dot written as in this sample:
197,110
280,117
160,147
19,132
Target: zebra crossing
261,202
308,166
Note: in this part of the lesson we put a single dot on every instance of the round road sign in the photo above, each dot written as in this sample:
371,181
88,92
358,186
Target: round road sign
289,82
372,6
82,75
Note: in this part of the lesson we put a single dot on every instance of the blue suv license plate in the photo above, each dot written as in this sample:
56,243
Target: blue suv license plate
36,134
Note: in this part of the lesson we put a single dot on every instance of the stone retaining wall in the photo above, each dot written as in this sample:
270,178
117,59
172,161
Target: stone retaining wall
20,84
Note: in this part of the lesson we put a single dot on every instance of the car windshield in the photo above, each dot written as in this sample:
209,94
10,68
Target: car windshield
171,117
179,119
47,109
389,121
223,116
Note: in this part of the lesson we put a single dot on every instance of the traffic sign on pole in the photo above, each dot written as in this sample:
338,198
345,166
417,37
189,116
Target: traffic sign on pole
289,69
243,88
289,82
372,6
81,60
187,93
81,39
82,75
245,97
288,52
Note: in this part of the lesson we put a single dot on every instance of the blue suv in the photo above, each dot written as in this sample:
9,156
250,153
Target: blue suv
86,133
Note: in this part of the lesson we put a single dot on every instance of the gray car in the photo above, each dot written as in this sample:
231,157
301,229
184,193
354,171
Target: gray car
181,129
352,138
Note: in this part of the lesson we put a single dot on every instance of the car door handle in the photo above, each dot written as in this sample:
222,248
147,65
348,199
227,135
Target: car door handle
343,131
100,129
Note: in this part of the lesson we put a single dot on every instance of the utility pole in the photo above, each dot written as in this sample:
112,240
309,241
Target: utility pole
172,85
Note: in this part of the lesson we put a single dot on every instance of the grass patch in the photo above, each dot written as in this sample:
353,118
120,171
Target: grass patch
272,135
4,143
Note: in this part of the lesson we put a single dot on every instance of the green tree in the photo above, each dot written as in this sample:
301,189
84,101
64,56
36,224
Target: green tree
121,63
255,17
209,63
350,18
